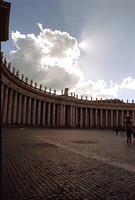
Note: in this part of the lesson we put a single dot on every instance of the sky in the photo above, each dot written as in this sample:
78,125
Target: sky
87,46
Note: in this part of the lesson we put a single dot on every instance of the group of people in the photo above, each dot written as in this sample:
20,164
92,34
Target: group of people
129,131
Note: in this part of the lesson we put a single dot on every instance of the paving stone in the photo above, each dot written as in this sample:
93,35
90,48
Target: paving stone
66,164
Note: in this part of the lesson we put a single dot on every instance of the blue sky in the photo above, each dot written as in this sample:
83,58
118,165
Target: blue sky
86,45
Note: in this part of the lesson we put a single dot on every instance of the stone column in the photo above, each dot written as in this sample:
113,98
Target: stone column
19,109
61,115
86,117
43,112
29,111
116,117
53,115
2,95
38,112
101,117
4,111
9,107
58,115
14,108
73,116
122,122
64,115
33,112
106,118
133,117
76,116
71,119
24,110
111,118
48,114
91,117
81,115
96,117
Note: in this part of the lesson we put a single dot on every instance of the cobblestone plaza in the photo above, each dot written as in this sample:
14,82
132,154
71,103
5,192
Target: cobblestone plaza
39,163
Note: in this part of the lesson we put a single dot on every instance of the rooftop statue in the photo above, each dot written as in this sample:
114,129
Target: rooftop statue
45,88
9,66
13,70
17,74
22,77
5,61
66,91
40,86
26,80
31,83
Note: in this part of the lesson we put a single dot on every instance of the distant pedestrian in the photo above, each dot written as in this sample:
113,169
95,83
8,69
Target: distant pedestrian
116,130
121,130
129,133
134,133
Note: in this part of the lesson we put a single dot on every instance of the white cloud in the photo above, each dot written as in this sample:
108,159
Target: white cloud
51,59
128,83
97,89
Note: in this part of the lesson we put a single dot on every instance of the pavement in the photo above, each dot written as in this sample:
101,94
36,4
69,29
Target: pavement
66,164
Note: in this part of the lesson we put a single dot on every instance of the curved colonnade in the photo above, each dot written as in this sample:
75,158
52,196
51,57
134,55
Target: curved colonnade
25,104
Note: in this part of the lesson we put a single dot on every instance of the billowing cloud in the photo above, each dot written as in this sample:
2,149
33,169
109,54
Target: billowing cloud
97,89
51,59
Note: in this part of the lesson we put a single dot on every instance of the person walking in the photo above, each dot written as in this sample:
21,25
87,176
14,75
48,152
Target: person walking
134,133
116,130
129,133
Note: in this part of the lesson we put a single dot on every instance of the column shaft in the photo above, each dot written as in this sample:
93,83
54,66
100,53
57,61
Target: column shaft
96,117
48,114
57,114
53,115
9,107
24,110
2,95
64,114
122,122
86,117
71,116
133,117
116,117
76,116
33,112
43,112
29,111
81,117
111,118
19,109
61,115
106,118
101,117
38,112
91,118
14,108
4,112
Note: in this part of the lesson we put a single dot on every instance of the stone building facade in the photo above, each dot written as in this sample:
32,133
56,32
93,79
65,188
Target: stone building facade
25,104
